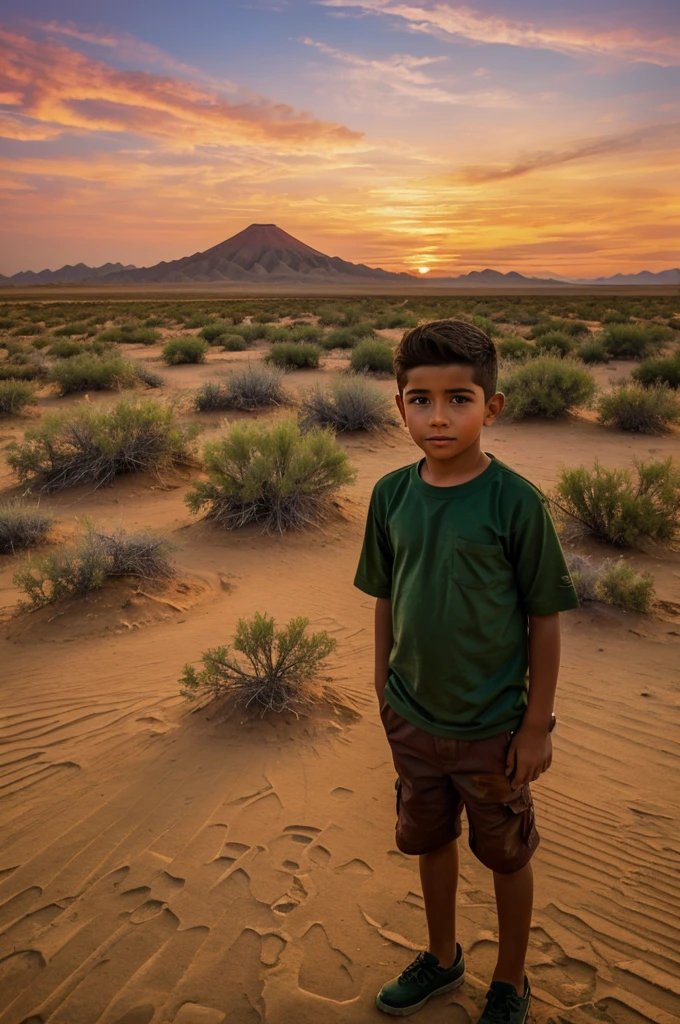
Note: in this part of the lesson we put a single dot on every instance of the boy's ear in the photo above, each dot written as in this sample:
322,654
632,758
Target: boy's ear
399,399
494,407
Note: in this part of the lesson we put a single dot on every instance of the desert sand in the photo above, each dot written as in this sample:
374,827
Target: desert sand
166,864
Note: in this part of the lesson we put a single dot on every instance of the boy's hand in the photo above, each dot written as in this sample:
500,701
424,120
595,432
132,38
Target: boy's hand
529,755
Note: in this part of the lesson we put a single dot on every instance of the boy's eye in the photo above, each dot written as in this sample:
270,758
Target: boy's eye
417,399
460,398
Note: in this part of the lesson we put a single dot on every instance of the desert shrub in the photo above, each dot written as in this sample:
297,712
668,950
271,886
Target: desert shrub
348,404
265,318
571,328
252,332
15,395
185,350
514,348
594,351
85,565
148,376
196,320
93,373
88,445
22,525
216,331
372,357
634,341
643,410
294,356
71,330
255,387
279,671
130,335
233,343
41,342
21,371
619,509
553,343
674,323
347,337
276,477
394,319
613,582
615,316
67,348
26,330
659,371
486,324
547,386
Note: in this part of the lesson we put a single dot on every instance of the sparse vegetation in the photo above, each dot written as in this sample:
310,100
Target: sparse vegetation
291,355
185,350
347,404
347,337
514,348
15,395
278,673
255,387
643,410
22,525
547,386
613,582
555,343
276,477
93,446
233,343
216,331
593,351
79,568
659,371
66,348
93,373
634,341
372,357
73,330
130,335
619,509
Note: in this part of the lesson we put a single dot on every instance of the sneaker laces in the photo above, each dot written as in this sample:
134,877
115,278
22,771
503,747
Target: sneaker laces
418,971
501,1006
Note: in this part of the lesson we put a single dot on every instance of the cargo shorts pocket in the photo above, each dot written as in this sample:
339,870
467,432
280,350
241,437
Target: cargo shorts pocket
479,566
521,803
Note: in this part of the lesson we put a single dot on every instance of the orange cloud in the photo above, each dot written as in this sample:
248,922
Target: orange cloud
58,86
463,22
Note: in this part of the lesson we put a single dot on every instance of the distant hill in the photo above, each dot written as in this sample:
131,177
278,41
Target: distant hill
66,275
263,253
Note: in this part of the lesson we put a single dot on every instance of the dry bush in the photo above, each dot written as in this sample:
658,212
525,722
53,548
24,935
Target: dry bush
276,477
66,348
22,525
613,582
659,371
73,330
257,386
347,337
216,331
555,343
634,341
514,348
87,372
642,410
293,355
87,445
130,334
233,343
94,557
547,386
15,395
593,351
347,404
372,357
278,670
185,350
621,510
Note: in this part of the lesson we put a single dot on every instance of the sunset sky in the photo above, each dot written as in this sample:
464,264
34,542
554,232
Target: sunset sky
531,135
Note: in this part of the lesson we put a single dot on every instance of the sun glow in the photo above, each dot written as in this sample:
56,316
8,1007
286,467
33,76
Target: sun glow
423,270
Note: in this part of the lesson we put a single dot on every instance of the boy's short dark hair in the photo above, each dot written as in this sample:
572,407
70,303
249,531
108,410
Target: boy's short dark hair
442,342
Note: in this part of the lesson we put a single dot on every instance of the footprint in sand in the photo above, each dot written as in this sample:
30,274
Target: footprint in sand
138,1015
355,867
320,855
292,899
271,948
340,793
327,971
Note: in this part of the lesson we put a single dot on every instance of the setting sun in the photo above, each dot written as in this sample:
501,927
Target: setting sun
423,270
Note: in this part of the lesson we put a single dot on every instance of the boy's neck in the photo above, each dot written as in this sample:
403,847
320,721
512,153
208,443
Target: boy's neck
460,469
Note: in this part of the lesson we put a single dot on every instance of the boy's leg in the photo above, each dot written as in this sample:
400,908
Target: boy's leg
439,878
514,901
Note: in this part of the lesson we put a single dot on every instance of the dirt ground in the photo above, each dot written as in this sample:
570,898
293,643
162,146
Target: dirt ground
162,864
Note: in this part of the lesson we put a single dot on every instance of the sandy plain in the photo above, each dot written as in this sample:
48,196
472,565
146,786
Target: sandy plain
161,864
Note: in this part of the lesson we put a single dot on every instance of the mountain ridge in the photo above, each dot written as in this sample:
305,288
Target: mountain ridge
264,253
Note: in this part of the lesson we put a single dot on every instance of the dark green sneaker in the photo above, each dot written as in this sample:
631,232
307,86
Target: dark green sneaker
421,979
504,1005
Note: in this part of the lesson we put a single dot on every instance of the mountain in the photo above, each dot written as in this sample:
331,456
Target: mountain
261,253
493,279
644,277
66,275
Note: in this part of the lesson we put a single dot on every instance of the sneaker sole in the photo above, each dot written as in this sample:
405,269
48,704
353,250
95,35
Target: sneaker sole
406,1011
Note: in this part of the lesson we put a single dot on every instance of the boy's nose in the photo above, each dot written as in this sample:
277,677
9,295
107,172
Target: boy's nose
438,418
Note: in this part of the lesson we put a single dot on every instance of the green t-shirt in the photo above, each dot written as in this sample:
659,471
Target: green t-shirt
464,567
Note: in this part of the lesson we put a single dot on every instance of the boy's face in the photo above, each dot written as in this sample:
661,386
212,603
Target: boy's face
444,411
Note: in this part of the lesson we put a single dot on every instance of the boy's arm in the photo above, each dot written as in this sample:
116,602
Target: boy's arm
530,752
383,645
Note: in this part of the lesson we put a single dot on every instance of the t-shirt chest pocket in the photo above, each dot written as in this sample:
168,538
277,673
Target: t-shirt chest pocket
479,566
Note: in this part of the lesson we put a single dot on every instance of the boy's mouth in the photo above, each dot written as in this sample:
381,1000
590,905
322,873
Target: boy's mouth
439,439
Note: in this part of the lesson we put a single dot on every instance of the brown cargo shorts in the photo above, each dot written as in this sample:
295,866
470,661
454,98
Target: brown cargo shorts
438,776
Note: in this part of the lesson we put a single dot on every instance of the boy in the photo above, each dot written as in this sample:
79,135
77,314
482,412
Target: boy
463,559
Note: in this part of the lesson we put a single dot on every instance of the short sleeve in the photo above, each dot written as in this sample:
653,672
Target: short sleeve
541,572
374,572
